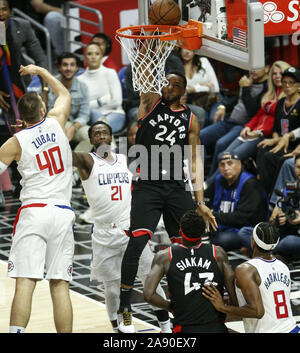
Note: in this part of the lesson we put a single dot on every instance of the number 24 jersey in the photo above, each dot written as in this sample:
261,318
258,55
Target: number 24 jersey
164,127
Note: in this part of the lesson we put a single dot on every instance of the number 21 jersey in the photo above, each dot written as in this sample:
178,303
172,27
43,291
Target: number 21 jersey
108,190
45,164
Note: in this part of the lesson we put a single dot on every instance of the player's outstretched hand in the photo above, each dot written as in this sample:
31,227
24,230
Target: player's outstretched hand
210,292
208,216
29,70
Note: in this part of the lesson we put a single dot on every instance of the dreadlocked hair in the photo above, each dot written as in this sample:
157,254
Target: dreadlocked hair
268,233
192,224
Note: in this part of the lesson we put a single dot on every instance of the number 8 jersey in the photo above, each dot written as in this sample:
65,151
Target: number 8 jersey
45,164
275,290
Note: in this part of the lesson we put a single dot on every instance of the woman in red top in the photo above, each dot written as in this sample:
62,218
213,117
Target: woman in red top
261,124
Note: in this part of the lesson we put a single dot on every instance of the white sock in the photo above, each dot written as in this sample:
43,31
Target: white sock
16,329
165,326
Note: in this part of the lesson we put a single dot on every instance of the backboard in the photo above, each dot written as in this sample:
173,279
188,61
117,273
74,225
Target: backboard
235,37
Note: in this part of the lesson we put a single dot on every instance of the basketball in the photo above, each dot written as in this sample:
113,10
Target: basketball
164,12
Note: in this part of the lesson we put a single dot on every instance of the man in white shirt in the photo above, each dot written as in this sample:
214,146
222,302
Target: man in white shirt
77,124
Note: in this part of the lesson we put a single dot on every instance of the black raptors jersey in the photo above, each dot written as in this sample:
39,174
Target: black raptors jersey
164,133
189,269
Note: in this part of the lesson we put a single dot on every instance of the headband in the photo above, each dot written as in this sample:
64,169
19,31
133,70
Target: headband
260,243
187,238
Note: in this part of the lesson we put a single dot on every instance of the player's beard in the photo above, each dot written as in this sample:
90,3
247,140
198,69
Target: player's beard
169,101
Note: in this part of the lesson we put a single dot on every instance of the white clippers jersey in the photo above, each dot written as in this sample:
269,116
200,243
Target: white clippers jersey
108,190
45,164
275,290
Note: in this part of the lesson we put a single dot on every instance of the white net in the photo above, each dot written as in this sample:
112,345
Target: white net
147,58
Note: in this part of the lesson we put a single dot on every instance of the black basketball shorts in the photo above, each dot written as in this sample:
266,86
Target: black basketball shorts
151,199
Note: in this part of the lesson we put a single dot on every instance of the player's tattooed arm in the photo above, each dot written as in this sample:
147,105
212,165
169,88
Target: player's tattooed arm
146,103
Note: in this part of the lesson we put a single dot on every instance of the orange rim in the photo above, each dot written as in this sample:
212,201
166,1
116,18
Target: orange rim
148,28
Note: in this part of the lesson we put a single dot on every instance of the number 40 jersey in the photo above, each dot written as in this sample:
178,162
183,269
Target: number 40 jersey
45,164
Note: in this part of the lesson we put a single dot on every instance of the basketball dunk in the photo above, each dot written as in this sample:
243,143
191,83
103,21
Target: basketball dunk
164,123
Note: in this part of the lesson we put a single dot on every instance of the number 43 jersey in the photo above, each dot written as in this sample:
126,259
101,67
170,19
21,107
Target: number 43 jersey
45,164
164,133
189,269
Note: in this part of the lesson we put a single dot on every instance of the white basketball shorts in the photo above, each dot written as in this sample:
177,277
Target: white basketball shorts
42,241
106,261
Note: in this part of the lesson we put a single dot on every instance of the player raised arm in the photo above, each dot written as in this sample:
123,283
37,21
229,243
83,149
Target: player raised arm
145,74
197,174
84,162
61,109
146,103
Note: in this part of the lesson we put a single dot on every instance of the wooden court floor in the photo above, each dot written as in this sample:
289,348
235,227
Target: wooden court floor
89,313
89,316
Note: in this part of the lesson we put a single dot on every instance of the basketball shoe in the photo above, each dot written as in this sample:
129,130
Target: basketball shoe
125,321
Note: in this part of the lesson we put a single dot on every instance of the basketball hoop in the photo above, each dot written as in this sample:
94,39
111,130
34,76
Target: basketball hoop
149,46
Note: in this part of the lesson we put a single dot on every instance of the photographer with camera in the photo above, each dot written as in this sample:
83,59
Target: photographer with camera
286,215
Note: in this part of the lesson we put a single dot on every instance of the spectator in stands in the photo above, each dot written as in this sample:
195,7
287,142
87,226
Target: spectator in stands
49,13
288,220
261,124
289,244
202,84
77,124
105,44
224,131
237,199
173,63
19,37
287,170
228,78
271,152
104,89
